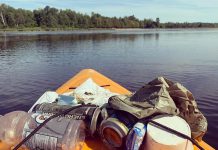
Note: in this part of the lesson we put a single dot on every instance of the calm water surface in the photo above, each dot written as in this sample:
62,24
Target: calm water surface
31,63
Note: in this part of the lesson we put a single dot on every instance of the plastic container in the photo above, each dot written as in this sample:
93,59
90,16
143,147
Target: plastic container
58,133
1,127
11,128
136,136
158,139
75,136
12,125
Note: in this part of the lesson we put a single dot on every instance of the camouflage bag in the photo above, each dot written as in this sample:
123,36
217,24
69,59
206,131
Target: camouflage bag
162,96
189,111
151,99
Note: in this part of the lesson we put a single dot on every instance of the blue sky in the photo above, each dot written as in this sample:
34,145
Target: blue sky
166,10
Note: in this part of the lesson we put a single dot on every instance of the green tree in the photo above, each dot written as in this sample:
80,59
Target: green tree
10,19
19,17
2,17
158,22
73,18
149,23
63,19
29,19
51,17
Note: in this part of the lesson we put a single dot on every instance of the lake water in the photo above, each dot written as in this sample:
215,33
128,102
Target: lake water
31,63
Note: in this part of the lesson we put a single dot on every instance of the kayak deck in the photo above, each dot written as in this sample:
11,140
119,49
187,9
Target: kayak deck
107,83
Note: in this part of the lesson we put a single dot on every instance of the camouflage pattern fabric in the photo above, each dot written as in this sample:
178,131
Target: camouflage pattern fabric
189,111
162,96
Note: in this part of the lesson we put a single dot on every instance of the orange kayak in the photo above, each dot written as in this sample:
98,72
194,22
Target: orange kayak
101,80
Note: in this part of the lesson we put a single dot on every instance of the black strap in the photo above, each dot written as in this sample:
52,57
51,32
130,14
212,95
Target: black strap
177,133
106,85
46,121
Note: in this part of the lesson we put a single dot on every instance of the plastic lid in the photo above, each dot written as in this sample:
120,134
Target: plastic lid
165,137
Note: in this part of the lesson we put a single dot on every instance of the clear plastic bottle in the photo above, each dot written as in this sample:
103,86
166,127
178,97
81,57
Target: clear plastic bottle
136,136
1,127
11,128
75,136
15,126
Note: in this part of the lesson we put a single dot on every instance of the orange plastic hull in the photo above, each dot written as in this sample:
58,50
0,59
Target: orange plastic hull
101,80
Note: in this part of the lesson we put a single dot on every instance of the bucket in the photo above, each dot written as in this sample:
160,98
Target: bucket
160,139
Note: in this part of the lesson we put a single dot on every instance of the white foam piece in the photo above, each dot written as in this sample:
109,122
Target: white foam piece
96,95
159,139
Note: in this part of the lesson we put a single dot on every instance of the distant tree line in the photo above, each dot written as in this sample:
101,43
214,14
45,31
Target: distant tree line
50,17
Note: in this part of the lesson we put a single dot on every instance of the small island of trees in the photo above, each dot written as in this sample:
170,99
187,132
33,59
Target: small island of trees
49,17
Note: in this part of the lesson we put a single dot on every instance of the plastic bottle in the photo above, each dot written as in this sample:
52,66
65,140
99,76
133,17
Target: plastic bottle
135,137
11,127
60,133
1,128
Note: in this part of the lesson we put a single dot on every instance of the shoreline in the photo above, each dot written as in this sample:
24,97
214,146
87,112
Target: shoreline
39,29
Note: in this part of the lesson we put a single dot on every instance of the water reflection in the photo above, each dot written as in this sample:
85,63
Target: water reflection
3,41
76,37
53,40
156,36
